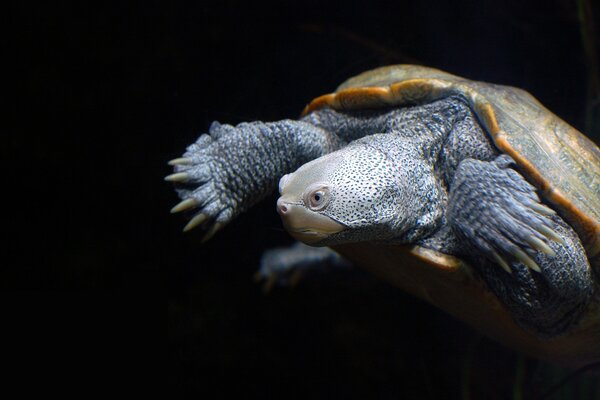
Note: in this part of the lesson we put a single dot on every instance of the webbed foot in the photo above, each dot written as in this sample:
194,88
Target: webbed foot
500,217
210,178
499,213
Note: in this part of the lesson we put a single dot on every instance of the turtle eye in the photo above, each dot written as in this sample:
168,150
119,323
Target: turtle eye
317,199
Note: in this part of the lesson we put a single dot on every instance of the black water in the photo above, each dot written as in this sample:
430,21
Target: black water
95,262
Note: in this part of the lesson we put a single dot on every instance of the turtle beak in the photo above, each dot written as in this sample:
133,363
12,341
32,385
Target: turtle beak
305,225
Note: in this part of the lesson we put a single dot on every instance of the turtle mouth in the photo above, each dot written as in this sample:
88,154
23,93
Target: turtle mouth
307,236
305,225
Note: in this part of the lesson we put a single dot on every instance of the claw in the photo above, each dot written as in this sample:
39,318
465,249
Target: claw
184,205
525,259
194,222
501,262
211,232
177,177
542,209
540,245
550,234
181,161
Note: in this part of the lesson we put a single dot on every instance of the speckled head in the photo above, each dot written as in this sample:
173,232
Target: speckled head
347,196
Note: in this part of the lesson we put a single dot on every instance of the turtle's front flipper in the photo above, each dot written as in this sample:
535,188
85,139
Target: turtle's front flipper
501,222
288,265
232,168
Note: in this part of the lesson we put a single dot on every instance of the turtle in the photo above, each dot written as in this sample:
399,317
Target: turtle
469,195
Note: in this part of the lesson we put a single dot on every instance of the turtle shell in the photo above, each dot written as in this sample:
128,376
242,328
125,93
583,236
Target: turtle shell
560,161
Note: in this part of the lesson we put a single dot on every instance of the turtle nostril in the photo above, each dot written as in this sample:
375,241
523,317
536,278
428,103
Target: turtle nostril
281,207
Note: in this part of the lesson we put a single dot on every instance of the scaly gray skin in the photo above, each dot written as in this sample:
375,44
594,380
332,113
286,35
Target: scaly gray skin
425,175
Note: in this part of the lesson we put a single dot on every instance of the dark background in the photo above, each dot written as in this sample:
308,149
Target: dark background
107,94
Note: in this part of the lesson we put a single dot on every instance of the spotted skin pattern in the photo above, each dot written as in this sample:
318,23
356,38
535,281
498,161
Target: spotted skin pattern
427,175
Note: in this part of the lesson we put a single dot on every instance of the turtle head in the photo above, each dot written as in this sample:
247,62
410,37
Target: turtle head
354,194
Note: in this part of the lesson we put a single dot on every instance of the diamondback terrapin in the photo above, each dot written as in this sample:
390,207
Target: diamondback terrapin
469,195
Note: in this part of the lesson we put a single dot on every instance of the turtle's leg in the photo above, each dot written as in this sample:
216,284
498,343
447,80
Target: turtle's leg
497,213
285,266
547,303
231,168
